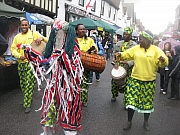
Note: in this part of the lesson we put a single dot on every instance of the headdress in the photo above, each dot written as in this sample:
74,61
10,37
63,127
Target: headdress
146,35
128,30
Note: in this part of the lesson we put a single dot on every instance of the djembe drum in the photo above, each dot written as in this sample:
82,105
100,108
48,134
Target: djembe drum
119,77
38,48
93,62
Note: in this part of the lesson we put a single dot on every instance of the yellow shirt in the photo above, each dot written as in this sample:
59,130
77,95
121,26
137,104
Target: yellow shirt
145,63
86,44
25,39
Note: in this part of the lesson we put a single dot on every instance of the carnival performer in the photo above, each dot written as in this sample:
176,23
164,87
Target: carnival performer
139,94
122,46
61,102
27,79
86,44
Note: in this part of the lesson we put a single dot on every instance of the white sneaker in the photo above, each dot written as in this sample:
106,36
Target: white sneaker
164,93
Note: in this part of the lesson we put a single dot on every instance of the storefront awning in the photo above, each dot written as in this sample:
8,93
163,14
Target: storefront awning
8,11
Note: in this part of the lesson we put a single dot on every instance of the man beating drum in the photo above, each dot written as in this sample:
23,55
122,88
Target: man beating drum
121,46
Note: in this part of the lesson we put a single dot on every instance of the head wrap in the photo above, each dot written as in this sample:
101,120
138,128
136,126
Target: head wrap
146,35
128,30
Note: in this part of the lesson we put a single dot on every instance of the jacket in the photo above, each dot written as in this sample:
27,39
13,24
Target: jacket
175,67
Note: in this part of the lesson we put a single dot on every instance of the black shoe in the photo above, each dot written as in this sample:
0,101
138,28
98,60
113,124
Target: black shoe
113,99
27,110
147,127
174,98
170,97
85,104
127,126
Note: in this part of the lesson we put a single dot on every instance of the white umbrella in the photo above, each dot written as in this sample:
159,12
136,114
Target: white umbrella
135,34
120,31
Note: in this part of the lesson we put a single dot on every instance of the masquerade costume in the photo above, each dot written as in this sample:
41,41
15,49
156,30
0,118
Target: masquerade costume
61,103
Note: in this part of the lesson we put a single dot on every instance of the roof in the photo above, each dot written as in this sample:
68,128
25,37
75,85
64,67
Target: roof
8,11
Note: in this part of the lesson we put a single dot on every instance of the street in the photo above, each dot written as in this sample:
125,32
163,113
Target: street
100,117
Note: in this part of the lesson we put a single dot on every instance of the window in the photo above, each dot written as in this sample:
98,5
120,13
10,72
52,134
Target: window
109,15
102,7
81,2
94,7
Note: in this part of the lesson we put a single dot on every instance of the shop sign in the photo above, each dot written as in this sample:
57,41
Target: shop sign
80,12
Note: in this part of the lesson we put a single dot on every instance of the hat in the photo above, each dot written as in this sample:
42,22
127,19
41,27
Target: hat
128,30
146,35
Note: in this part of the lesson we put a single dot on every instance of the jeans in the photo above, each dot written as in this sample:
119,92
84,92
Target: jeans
107,53
164,80
97,75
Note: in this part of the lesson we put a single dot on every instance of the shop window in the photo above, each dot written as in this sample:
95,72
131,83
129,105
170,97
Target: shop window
94,7
81,2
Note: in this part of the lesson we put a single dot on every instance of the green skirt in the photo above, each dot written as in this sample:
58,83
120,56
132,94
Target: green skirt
139,95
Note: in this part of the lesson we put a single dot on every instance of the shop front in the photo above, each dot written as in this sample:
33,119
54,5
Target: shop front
9,27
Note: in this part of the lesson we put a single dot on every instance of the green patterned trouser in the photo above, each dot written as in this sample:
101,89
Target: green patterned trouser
115,87
84,86
27,82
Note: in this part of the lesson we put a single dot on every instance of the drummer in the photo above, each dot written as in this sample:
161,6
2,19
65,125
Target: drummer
122,46
86,44
27,79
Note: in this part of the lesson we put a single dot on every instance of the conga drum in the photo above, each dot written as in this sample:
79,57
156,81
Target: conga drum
38,48
93,62
119,77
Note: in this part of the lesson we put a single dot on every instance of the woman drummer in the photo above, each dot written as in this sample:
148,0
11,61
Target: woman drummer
122,46
86,44
139,94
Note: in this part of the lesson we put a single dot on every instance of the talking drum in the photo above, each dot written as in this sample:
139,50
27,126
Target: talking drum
93,62
119,77
38,48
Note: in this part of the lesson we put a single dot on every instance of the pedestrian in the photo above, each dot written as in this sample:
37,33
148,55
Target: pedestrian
164,72
3,45
139,94
122,46
107,44
27,79
175,75
100,52
86,44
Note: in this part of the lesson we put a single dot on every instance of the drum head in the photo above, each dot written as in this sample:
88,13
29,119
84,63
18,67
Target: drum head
118,73
38,48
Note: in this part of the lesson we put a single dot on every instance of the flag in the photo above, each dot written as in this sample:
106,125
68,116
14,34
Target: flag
89,5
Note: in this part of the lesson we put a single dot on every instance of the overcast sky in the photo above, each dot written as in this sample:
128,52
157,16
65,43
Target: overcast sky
155,14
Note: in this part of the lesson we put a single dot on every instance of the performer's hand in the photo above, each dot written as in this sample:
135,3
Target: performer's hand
162,59
38,41
22,58
116,66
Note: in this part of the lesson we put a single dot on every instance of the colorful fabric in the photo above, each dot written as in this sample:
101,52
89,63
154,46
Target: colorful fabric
61,102
139,95
146,35
146,72
27,82
85,86
128,30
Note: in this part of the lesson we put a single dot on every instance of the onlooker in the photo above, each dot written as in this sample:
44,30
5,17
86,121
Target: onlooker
139,94
175,75
27,79
100,52
164,72
3,45
107,44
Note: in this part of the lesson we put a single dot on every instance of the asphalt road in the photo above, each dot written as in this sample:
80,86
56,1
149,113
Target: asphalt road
101,117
